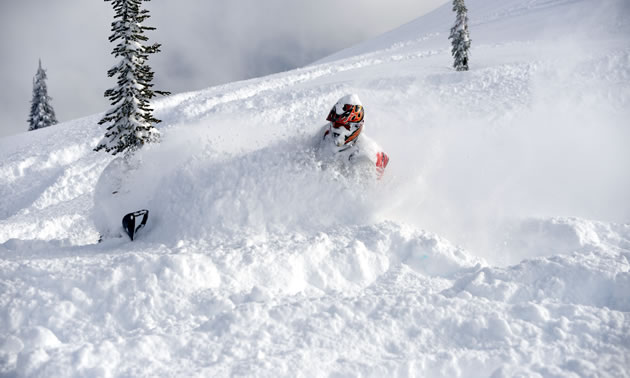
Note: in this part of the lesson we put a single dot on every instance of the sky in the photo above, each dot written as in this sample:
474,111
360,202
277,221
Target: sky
204,43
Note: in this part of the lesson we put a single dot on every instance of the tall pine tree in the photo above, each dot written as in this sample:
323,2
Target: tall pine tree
460,40
42,112
131,118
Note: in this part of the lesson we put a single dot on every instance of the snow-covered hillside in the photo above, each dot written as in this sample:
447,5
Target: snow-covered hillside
497,244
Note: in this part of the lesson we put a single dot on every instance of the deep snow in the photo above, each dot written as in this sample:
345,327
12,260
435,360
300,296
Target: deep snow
498,243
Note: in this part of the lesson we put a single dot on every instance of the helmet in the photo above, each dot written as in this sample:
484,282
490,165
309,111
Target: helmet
346,121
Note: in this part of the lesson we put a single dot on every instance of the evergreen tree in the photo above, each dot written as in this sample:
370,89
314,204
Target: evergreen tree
132,117
460,40
42,113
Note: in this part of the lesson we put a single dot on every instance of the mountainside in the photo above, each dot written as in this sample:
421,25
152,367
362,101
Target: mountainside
497,243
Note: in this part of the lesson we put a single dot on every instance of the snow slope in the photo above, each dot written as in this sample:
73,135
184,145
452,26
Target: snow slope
498,243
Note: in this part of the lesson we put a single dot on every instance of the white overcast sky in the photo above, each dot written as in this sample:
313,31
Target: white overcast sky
204,43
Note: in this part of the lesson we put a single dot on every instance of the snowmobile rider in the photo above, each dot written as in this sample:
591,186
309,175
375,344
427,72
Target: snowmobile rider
340,137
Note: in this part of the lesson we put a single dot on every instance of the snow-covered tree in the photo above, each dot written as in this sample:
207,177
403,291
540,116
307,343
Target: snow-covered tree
131,118
42,112
460,40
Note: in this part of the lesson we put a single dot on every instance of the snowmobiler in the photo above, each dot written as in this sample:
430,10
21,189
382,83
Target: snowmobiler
124,189
340,138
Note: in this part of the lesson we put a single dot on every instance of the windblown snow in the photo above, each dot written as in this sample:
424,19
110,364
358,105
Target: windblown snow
497,243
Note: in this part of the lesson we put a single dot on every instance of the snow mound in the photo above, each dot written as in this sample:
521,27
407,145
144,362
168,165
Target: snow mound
588,279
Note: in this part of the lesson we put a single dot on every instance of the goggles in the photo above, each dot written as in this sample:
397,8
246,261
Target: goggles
337,125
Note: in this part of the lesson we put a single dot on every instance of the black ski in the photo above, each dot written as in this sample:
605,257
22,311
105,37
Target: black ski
134,222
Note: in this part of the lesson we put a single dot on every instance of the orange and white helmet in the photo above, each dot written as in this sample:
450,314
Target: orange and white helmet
346,121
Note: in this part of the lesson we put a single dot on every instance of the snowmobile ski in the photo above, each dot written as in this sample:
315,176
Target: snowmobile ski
134,222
